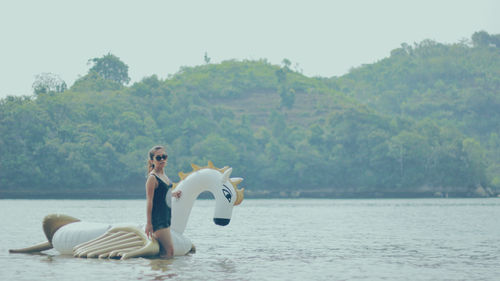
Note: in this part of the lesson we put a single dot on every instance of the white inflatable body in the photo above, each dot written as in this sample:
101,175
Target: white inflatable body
87,239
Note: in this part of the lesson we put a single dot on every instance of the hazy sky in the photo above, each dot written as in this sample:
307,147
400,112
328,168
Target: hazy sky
326,38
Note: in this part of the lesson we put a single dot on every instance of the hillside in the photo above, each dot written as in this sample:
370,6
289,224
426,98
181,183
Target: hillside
456,86
377,131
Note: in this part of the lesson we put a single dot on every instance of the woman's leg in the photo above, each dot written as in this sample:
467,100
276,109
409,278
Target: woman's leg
165,238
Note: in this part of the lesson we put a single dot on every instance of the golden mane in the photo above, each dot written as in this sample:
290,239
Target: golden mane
239,192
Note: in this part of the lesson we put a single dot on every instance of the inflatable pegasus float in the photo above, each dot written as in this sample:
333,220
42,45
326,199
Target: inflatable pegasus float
69,235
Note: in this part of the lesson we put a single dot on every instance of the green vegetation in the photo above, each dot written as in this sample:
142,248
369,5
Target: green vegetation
423,121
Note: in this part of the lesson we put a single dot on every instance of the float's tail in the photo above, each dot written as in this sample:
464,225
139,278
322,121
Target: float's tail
51,224
36,248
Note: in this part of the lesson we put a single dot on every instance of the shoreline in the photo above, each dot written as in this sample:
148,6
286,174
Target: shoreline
326,194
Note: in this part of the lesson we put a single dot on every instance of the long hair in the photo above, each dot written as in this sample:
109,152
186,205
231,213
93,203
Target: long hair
151,153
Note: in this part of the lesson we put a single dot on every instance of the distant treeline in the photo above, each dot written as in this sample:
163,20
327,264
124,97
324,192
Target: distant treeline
425,120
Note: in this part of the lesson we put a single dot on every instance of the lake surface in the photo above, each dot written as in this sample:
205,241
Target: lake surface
379,239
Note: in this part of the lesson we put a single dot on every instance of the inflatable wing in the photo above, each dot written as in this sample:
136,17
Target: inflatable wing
118,242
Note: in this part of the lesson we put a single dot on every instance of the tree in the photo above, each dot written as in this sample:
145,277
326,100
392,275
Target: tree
287,97
206,58
475,160
495,40
480,39
286,64
93,82
48,82
110,67
286,93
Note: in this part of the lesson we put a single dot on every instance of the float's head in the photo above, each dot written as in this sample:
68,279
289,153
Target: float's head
220,184
227,196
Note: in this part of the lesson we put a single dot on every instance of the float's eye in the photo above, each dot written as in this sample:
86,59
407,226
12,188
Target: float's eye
227,193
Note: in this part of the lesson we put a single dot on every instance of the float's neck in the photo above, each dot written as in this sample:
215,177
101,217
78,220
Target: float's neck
191,187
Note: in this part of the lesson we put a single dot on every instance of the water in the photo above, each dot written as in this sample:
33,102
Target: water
415,239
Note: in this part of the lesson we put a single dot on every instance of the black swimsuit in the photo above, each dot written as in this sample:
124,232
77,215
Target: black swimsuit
161,213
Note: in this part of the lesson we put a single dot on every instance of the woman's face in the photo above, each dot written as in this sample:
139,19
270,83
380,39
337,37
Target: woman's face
160,158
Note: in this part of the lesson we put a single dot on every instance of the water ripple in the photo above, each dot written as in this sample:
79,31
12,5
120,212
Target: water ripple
424,239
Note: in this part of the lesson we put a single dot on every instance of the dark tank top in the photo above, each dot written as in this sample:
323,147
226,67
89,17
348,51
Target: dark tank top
161,213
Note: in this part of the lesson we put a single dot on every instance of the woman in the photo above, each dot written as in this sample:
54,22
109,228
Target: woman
158,192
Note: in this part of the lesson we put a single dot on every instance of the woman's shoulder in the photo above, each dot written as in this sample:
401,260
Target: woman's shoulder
152,177
163,179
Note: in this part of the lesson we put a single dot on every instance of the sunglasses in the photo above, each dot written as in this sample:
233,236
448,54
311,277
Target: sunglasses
161,157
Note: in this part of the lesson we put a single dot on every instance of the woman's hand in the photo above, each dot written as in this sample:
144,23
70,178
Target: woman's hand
149,230
177,194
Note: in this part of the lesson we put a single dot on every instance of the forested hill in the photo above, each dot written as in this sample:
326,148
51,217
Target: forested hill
422,122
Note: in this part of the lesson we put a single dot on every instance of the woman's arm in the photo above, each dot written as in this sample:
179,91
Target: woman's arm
150,191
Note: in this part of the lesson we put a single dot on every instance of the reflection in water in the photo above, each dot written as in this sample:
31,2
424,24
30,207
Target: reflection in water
161,265
225,265
47,259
